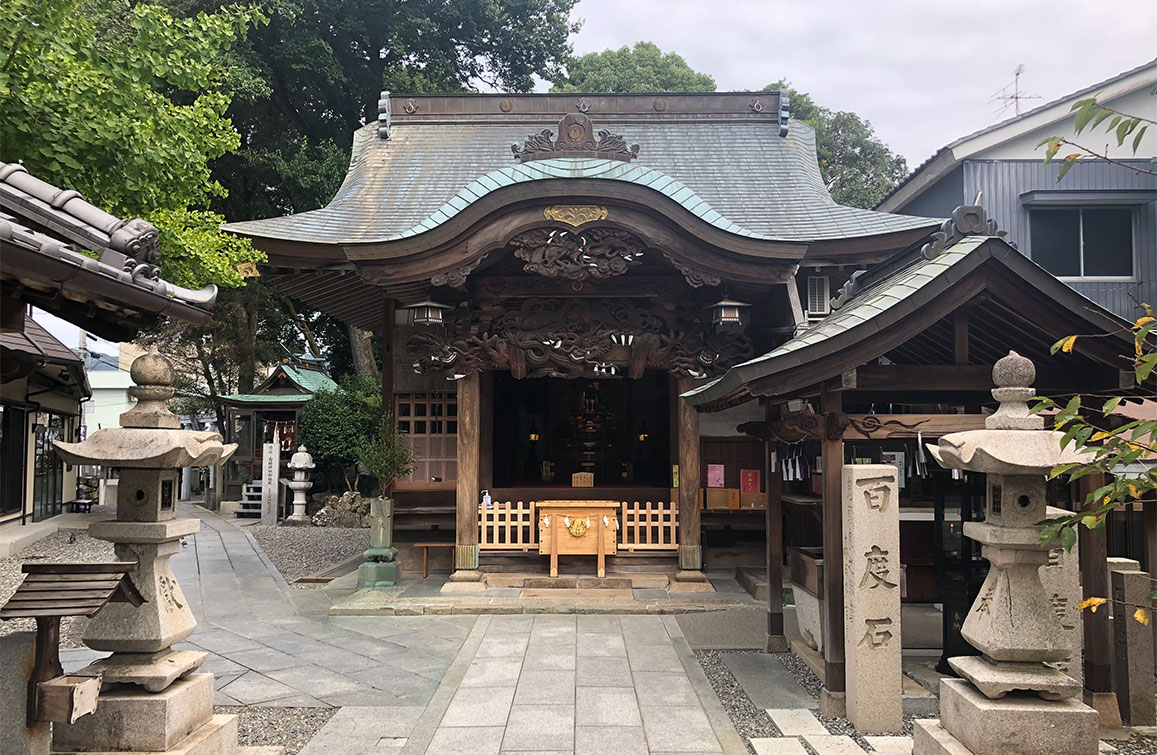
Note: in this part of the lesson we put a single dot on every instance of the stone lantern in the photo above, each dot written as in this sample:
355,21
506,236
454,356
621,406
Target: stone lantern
301,463
1010,700
147,450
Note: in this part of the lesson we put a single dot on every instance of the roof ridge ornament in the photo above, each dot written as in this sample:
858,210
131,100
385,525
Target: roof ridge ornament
577,137
966,220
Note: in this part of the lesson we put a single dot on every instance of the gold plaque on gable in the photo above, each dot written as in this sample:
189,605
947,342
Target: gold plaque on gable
248,270
575,214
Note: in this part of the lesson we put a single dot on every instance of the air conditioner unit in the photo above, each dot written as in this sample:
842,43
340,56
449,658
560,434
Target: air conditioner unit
818,298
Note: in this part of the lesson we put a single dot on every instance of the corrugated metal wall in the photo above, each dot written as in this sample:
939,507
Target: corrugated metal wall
1004,181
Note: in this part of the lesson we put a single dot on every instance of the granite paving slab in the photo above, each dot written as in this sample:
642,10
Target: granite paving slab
493,672
833,745
531,727
479,706
777,746
603,672
539,686
766,681
795,722
678,729
609,707
604,740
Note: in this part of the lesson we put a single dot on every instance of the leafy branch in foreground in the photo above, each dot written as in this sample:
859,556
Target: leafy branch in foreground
1113,450
1091,115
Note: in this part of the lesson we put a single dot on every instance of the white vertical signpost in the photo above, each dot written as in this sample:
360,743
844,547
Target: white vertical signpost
872,597
270,468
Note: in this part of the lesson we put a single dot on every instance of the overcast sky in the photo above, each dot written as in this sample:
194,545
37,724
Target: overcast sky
922,71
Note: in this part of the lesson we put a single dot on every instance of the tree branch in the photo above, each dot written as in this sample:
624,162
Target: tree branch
1106,158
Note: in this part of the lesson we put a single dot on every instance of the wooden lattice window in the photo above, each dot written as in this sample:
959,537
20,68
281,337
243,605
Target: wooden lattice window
430,422
818,297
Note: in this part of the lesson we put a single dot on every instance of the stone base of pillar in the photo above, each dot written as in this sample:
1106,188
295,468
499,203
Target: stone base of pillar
776,643
217,736
377,574
833,704
466,575
691,557
19,653
981,726
153,671
1105,703
465,580
295,521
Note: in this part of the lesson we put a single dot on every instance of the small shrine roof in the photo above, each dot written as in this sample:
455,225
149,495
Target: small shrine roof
308,378
897,302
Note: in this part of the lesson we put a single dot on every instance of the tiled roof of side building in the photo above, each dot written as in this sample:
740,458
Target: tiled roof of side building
739,176
311,380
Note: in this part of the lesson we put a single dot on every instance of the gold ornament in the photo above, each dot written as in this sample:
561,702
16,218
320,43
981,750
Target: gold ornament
578,527
575,214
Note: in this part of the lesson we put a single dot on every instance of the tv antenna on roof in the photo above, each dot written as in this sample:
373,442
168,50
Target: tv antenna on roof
1013,98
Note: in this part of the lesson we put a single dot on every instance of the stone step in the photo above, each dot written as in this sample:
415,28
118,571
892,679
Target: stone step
777,746
261,750
833,745
217,737
795,722
891,745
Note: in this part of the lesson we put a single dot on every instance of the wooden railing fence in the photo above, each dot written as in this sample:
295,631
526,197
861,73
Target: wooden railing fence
643,526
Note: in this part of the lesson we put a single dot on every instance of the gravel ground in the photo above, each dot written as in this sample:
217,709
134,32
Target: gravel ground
291,728
54,548
752,722
301,551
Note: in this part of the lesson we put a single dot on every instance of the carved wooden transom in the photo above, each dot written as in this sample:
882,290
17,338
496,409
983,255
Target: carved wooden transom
578,255
572,338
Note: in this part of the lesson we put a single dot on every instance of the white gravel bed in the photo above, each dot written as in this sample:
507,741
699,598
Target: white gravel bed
55,548
301,551
751,722
291,728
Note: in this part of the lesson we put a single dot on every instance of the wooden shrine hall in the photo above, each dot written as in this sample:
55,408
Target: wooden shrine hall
907,356
548,273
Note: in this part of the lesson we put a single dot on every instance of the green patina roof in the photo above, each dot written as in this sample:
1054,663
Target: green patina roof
738,176
892,293
308,380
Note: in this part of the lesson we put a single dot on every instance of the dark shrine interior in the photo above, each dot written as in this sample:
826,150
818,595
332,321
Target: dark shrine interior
546,429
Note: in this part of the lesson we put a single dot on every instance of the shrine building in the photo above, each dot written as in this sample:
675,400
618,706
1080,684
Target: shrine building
548,273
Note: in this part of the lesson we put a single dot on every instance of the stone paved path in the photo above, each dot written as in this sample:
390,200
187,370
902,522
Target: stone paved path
441,684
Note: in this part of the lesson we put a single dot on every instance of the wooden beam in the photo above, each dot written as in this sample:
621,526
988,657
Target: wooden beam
469,438
496,288
831,405
1098,644
687,426
897,379
773,530
960,336
880,426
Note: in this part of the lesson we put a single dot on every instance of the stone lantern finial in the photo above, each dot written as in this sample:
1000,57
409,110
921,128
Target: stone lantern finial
1014,376
153,374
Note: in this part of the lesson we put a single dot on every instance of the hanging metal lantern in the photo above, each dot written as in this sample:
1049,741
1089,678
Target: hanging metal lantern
728,314
428,312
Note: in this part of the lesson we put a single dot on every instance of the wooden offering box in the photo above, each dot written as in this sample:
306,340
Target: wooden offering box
578,528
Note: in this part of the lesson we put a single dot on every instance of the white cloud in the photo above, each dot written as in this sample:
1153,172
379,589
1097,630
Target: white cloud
922,72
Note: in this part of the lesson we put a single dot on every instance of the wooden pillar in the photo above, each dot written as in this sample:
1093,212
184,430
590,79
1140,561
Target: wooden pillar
687,429
776,641
486,431
1098,657
388,308
832,697
469,443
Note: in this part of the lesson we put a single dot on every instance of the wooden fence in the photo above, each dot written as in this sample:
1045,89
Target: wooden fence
652,526
509,526
643,526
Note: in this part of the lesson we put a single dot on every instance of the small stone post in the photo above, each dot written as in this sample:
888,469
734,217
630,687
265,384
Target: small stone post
1010,699
380,569
1133,649
175,711
872,598
270,474
301,463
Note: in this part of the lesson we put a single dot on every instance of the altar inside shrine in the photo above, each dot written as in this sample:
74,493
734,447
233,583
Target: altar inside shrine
578,528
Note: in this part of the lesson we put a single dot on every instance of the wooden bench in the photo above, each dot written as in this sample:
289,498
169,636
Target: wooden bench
81,504
426,555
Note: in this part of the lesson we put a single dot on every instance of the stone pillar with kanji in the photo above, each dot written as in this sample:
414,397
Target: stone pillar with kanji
874,679
1011,698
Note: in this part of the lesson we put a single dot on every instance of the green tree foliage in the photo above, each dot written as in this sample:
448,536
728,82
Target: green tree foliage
643,68
337,425
386,457
859,169
316,71
1091,115
126,103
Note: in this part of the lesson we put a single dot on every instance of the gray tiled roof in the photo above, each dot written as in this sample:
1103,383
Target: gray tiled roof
739,176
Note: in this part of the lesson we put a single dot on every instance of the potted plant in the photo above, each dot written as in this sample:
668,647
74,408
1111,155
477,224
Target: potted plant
385,458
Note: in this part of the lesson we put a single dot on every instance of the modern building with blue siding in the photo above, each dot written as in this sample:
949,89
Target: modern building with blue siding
1096,228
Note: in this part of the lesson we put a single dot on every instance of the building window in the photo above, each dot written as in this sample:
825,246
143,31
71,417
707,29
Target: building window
1083,243
430,422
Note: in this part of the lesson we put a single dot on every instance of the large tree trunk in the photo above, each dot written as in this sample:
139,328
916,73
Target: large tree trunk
247,358
214,396
362,346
